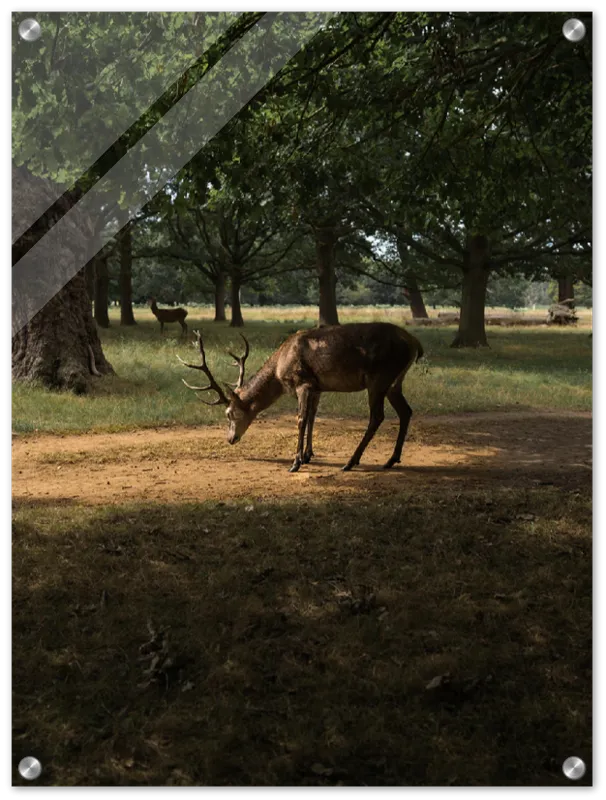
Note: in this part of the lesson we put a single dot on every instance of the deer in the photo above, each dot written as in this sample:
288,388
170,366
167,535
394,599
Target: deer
169,315
372,356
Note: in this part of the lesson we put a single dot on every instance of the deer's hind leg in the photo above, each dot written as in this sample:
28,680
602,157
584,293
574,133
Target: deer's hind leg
183,327
376,401
404,412
304,395
314,403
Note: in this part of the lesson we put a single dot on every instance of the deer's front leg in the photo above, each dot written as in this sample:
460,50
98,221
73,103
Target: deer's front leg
304,397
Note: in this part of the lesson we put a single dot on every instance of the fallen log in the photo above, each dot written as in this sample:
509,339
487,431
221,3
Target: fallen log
562,314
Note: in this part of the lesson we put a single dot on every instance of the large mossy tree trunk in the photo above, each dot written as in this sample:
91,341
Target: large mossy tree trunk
89,277
220,297
59,346
326,241
126,276
101,290
476,268
237,320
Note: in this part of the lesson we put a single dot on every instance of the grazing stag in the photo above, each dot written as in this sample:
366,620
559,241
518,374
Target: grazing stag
169,315
341,358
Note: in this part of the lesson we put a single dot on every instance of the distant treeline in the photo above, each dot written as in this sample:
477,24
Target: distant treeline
175,287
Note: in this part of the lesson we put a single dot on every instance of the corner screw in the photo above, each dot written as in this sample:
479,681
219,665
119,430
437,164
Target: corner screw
573,768
30,768
573,30
30,30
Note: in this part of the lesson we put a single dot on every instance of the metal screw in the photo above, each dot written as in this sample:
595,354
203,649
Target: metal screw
573,30
573,768
30,30
30,768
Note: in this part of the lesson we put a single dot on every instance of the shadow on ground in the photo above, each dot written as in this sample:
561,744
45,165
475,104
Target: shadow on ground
416,636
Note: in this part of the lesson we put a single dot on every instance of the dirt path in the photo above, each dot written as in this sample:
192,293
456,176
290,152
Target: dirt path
187,464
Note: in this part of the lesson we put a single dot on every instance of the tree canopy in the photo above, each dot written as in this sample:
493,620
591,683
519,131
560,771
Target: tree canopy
404,151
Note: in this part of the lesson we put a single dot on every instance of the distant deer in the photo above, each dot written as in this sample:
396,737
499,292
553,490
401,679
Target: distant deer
169,315
341,358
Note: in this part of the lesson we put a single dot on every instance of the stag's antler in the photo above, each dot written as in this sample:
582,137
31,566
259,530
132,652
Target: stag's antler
213,385
240,361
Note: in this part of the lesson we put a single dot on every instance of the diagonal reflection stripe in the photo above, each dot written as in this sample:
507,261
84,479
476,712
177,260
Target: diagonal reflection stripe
166,148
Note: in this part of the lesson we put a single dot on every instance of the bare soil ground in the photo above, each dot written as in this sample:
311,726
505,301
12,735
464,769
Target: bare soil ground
183,465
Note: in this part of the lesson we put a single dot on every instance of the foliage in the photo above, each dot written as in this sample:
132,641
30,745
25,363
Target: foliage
509,292
106,76
404,134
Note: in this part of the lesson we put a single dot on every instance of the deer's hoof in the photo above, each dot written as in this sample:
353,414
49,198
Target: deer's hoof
390,463
347,467
307,457
295,467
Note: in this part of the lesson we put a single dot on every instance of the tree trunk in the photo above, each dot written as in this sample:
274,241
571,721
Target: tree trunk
566,289
327,280
415,298
101,290
89,277
220,298
412,293
237,320
126,276
476,267
59,346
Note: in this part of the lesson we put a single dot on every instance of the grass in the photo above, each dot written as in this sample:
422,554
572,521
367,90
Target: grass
304,645
524,368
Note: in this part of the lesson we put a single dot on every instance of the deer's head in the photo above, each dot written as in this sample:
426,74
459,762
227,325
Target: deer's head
239,416
239,413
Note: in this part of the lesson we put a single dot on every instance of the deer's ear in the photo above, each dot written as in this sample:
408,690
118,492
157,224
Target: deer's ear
233,397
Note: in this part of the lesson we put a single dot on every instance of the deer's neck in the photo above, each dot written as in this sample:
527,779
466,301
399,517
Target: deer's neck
263,389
